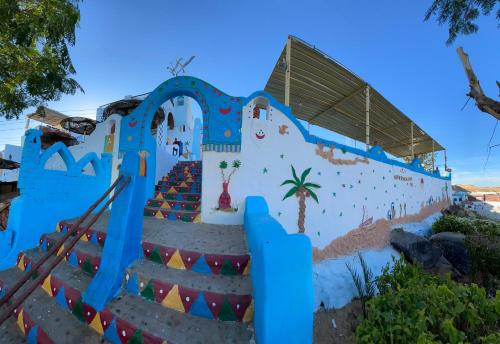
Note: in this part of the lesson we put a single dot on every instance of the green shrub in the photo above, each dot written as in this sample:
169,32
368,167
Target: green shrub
452,223
414,307
484,250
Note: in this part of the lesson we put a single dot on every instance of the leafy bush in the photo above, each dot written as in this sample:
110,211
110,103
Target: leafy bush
366,285
452,223
485,253
414,307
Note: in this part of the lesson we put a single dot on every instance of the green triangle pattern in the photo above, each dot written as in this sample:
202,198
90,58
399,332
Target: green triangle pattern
226,312
136,338
148,292
87,266
227,268
78,310
155,256
34,275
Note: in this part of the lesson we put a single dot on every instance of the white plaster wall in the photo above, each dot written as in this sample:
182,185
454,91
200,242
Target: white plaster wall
93,143
164,162
345,189
332,282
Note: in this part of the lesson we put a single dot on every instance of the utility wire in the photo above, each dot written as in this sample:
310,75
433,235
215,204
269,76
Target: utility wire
489,145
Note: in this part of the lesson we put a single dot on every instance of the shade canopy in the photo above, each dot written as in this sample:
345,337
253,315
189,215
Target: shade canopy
327,94
8,164
125,106
52,135
79,125
48,116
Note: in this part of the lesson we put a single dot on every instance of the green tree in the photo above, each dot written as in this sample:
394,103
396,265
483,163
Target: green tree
35,65
460,15
301,190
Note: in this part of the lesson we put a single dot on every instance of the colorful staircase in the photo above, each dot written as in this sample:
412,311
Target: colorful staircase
178,194
192,286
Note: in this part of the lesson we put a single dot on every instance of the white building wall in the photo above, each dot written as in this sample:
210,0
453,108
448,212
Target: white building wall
353,189
11,152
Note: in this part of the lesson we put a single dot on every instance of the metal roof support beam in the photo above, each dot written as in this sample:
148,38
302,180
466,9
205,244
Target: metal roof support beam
288,56
367,113
432,155
335,105
412,144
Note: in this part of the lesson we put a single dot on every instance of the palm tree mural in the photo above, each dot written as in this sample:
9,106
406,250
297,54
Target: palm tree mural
301,190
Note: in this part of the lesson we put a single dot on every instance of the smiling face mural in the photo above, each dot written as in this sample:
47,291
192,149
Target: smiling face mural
259,131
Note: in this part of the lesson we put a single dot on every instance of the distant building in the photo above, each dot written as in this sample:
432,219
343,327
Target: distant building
459,194
13,153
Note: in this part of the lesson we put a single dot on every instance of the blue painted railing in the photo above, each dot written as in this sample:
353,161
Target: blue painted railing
281,273
47,196
124,235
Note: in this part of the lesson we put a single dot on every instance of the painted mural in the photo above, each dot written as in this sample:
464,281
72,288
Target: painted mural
301,190
225,197
351,197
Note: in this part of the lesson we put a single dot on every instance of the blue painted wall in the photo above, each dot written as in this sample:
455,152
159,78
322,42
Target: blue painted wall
48,196
281,275
221,119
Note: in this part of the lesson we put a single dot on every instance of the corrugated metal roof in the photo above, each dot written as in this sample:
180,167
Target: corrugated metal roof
327,94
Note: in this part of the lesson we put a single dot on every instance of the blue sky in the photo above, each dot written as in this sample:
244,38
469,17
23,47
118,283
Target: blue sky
124,48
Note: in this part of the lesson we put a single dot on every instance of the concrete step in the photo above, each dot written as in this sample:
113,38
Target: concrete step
10,333
178,189
43,320
179,183
183,196
204,248
85,255
171,214
174,205
226,298
130,319
137,314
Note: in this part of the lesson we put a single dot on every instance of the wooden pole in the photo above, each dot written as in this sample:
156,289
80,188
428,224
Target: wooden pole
433,155
411,144
367,120
287,70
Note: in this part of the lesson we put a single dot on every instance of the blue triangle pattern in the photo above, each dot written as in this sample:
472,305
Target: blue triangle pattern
111,333
201,266
31,337
44,245
61,299
132,285
93,238
73,260
28,267
200,308
172,216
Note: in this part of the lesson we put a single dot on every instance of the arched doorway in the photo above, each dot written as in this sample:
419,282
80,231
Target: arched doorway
221,120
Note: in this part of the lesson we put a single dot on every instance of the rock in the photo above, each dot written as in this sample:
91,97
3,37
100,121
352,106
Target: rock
453,247
442,267
415,248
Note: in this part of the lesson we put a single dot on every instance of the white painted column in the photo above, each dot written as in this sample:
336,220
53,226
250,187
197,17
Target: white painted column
287,70
367,113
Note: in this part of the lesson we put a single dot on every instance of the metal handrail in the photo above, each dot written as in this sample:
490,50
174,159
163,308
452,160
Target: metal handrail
43,274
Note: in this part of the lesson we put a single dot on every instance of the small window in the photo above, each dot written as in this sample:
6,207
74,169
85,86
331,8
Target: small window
180,101
170,121
261,109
